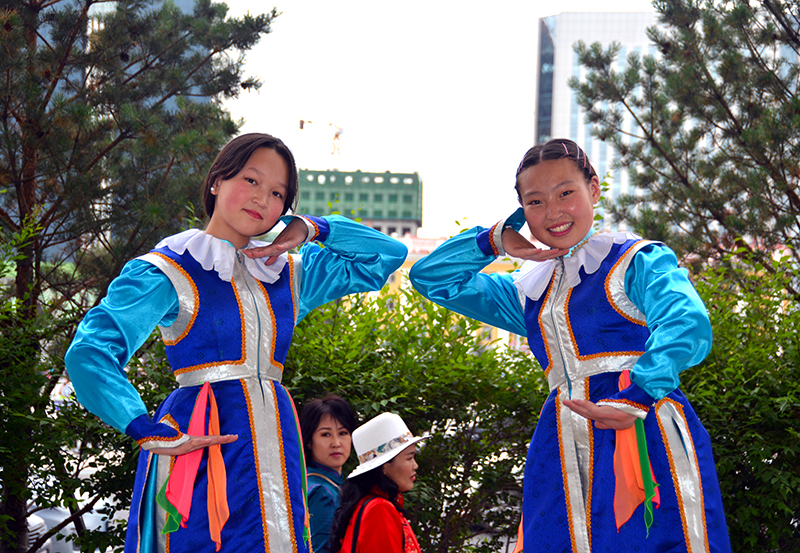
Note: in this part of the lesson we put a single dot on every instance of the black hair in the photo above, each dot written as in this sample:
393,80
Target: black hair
353,490
315,410
232,158
557,148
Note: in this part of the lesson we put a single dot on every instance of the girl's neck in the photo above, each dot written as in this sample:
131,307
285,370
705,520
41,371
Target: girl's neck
577,246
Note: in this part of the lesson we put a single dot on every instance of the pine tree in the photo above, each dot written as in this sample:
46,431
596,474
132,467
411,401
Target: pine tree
714,150
110,116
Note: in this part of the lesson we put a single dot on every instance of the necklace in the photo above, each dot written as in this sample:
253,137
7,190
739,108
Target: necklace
577,246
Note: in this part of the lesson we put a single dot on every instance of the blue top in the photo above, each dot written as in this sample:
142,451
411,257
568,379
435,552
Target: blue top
324,496
676,317
355,258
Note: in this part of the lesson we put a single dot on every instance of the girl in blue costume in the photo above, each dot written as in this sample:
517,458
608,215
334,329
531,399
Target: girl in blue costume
612,320
226,306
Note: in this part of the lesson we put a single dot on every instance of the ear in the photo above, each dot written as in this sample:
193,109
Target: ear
214,188
594,189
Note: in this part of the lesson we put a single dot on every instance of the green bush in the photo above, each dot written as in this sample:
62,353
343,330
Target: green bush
747,393
404,354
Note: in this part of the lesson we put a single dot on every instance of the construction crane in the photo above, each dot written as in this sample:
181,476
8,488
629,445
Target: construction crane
336,152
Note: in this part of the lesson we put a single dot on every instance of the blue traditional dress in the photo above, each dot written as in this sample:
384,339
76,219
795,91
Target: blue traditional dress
226,320
324,497
614,303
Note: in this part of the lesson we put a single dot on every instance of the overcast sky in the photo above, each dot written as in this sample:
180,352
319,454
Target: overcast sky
443,88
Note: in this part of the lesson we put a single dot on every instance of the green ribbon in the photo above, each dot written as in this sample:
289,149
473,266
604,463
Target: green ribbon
647,475
173,521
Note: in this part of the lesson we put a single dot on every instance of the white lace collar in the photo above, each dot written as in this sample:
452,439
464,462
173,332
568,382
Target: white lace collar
532,279
214,253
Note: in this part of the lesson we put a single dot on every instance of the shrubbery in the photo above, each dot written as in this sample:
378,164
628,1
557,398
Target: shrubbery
747,394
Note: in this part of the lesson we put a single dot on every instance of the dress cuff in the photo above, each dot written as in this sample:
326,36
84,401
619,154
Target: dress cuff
150,435
632,400
490,241
318,228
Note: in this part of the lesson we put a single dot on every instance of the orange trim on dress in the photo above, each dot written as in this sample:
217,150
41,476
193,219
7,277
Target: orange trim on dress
586,396
295,307
592,355
627,402
195,293
257,465
168,420
495,249
542,331
607,285
564,474
166,515
241,359
286,493
675,483
146,439
313,224
274,325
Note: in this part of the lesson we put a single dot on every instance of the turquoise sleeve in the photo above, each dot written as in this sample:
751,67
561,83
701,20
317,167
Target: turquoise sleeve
355,258
680,330
138,300
321,508
451,276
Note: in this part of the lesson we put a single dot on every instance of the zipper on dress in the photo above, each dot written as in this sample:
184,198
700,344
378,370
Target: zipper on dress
242,268
557,334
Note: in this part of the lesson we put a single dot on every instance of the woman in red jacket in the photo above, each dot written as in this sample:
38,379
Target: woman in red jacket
371,518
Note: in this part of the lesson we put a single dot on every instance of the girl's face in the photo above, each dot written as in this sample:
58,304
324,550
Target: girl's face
251,202
558,202
330,444
403,469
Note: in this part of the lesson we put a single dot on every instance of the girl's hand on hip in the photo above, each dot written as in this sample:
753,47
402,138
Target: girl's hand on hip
292,236
518,246
605,417
195,443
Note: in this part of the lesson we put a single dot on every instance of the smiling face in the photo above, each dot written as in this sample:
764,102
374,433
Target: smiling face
250,202
402,470
558,202
330,444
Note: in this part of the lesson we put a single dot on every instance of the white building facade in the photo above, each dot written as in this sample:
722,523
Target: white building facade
557,113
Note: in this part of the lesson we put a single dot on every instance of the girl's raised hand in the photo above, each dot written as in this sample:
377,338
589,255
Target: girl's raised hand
292,236
194,443
605,417
518,246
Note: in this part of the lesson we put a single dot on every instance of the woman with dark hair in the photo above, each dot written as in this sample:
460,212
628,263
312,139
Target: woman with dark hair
326,425
371,518
227,318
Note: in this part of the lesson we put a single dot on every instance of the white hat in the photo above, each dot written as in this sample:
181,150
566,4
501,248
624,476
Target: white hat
380,440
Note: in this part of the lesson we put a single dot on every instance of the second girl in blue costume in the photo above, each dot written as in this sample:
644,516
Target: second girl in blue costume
612,320
227,316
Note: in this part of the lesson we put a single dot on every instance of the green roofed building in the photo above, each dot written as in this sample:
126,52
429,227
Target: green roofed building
388,202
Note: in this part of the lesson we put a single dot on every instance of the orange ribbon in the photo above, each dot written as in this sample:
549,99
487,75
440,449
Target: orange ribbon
217,481
629,460
180,486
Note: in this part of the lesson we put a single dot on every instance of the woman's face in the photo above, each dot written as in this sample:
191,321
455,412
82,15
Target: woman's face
250,202
558,202
403,469
330,444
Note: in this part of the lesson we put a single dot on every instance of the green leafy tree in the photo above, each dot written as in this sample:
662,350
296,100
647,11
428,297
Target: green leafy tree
708,126
748,395
109,118
401,353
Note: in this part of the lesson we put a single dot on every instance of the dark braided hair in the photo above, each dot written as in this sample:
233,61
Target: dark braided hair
353,490
556,148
